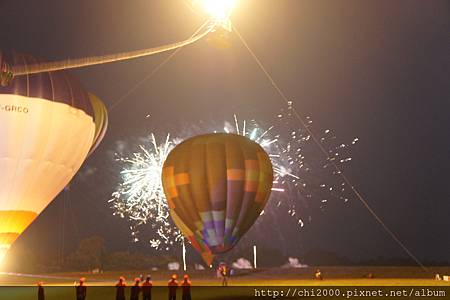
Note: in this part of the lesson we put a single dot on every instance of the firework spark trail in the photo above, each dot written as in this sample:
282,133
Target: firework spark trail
301,180
269,143
140,197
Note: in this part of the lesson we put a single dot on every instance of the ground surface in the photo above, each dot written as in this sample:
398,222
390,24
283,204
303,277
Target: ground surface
100,286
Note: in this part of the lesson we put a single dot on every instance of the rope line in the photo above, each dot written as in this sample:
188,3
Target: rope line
103,59
153,72
323,150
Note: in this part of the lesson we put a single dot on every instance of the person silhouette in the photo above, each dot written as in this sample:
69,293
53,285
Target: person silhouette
173,286
41,294
186,285
147,288
80,289
135,289
318,275
120,289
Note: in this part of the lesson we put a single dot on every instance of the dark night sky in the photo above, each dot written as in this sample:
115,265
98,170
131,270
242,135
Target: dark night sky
377,70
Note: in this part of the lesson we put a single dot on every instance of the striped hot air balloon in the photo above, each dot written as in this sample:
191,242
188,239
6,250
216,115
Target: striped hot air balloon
48,126
216,186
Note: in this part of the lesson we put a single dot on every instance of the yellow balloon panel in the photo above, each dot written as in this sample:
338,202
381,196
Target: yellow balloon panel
42,145
100,120
12,224
15,221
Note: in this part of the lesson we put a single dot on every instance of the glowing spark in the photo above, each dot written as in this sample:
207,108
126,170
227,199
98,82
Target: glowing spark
301,180
270,145
140,197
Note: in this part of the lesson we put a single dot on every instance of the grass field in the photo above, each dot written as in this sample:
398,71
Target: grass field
242,285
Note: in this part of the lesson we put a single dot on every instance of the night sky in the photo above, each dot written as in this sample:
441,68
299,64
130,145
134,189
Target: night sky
376,70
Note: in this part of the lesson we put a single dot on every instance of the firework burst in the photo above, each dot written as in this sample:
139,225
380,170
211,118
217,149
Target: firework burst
140,196
301,180
271,143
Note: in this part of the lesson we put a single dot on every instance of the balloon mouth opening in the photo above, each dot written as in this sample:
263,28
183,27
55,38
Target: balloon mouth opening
221,249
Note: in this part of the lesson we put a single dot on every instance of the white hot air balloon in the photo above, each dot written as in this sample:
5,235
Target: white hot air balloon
48,126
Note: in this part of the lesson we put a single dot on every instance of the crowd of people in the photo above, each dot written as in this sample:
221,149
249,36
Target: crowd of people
139,287
143,286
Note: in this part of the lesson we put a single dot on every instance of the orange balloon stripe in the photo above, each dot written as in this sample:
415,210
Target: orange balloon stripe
15,221
248,213
262,196
235,174
186,208
194,243
6,239
251,164
182,179
251,186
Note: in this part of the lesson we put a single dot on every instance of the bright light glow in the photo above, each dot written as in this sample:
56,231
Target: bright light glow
3,251
219,10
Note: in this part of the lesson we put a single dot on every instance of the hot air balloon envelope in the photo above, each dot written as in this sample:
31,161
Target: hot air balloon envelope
216,186
48,125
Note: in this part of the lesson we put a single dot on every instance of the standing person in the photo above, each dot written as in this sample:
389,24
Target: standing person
147,288
120,289
173,285
41,295
80,289
223,271
135,290
186,284
318,275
